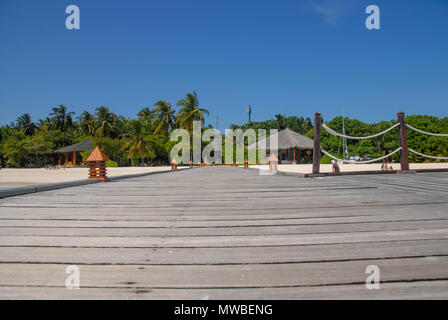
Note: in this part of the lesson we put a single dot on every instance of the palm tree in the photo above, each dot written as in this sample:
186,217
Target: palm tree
190,111
146,115
105,122
87,124
165,115
61,119
138,142
25,124
281,121
45,124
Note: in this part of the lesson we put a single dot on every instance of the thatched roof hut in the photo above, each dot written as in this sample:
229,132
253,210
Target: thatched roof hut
289,142
73,150
82,146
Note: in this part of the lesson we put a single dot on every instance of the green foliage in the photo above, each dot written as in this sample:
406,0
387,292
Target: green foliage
106,123
325,159
113,148
190,111
145,140
375,147
110,163
385,144
300,125
14,150
85,155
164,120
26,126
431,145
61,119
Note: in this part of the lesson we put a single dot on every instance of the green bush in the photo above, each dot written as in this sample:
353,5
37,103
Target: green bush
110,163
325,159
85,155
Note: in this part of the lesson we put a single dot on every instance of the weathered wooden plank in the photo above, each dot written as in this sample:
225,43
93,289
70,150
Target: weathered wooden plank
217,241
230,213
243,255
226,276
442,218
268,236
401,290
274,228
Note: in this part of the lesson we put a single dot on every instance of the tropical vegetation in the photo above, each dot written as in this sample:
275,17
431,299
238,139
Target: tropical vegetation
144,140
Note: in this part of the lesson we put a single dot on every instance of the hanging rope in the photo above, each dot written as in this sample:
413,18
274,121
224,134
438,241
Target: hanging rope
427,156
331,131
428,133
360,162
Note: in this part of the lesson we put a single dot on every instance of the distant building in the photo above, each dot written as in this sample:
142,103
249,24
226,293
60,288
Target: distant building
71,153
292,147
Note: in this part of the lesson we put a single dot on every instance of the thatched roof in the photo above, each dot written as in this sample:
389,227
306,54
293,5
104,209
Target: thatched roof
82,146
286,139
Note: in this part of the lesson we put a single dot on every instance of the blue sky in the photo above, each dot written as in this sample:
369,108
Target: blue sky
290,57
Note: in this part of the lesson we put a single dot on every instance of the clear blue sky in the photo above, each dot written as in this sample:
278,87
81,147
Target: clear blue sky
285,56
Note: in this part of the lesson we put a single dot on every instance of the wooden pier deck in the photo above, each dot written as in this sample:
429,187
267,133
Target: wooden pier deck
229,233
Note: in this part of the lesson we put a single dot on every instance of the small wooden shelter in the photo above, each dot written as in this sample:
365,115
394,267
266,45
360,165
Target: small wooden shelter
72,152
97,165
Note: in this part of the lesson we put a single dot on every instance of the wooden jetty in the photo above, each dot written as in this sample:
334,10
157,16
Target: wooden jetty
229,233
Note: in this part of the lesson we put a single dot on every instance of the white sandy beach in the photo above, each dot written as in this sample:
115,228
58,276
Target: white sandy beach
24,177
307,168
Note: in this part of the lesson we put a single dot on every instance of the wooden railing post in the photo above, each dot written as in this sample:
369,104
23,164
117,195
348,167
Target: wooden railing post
273,163
174,164
316,146
404,154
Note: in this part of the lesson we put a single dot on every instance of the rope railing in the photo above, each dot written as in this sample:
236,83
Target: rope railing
360,162
427,133
331,131
403,149
427,156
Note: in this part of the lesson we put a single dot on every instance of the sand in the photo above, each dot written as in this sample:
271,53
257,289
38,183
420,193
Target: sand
25,177
307,168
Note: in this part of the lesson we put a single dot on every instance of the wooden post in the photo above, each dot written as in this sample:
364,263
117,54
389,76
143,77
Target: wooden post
273,163
174,164
74,158
294,152
316,146
404,154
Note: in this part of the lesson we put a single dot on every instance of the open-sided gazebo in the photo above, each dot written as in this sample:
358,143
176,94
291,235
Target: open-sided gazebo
73,151
290,145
